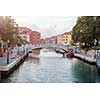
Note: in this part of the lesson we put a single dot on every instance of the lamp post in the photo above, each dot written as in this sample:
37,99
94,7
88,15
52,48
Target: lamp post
8,52
1,45
18,49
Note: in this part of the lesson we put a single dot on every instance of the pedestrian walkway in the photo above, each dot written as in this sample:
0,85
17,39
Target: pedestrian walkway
12,56
86,57
3,60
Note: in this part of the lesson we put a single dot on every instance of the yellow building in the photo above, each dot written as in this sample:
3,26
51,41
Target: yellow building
66,38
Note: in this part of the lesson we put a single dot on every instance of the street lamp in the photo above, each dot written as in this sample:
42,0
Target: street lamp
8,52
18,49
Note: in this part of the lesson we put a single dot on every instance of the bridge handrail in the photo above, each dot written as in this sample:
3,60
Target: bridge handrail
64,47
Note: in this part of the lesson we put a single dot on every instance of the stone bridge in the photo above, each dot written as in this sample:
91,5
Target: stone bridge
56,47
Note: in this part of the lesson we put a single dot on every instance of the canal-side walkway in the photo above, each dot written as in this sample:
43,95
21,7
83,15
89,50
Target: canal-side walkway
3,60
15,59
86,58
5,71
6,67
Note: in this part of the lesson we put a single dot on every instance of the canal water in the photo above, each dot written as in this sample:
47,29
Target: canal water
50,67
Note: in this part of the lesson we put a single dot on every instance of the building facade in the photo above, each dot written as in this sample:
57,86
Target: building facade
63,39
33,37
25,33
60,40
66,38
52,40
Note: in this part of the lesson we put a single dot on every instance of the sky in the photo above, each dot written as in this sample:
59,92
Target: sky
47,25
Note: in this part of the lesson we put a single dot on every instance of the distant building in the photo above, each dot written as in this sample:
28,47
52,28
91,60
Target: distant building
25,33
63,39
66,38
33,37
52,40
60,40
42,41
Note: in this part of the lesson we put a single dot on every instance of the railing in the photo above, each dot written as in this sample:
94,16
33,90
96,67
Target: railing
64,47
86,57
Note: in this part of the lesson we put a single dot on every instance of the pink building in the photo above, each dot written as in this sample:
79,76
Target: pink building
52,40
33,37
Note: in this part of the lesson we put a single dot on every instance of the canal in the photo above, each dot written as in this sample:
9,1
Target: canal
51,67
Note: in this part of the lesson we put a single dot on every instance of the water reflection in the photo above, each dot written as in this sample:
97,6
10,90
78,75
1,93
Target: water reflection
98,77
32,59
83,72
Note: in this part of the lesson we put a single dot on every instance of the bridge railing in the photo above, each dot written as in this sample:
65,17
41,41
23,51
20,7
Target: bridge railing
49,45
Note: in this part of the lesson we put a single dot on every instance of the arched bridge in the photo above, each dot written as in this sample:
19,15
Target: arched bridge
56,47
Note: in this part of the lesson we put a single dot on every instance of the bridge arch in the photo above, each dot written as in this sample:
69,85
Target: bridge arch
55,47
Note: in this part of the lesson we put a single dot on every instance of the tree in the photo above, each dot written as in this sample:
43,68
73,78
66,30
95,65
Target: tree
83,32
9,30
72,43
96,29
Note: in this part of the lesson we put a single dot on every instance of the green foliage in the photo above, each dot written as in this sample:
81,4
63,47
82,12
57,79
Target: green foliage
9,32
95,48
72,43
86,31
